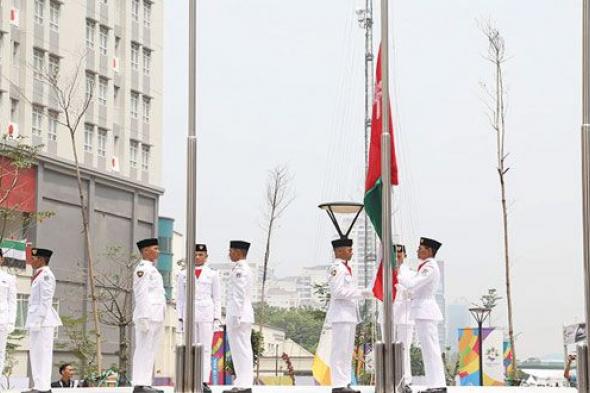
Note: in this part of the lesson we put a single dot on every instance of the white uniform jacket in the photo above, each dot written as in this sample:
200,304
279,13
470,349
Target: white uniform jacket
7,299
207,295
239,300
344,294
422,285
148,293
41,312
401,307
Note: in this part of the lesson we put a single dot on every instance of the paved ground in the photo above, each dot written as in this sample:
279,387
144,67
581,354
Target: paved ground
324,389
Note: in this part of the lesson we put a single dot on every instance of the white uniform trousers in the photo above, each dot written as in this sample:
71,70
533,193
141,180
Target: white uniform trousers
3,339
41,357
341,353
204,335
404,334
146,346
427,333
240,345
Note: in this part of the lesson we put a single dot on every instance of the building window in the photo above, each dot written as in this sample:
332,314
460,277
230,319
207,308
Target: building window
39,9
89,86
88,137
13,110
147,14
37,120
135,10
53,66
145,157
104,40
54,16
22,308
90,27
147,109
102,91
101,148
38,63
133,145
147,61
134,55
52,125
134,104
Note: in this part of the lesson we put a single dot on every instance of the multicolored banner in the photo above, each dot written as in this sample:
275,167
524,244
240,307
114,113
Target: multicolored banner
507,357
220,356
469,357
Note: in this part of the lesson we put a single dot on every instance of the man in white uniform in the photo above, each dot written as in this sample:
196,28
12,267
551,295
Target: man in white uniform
240,317
207,305
402,321
343,315
7,309
42,319
423,285
148,315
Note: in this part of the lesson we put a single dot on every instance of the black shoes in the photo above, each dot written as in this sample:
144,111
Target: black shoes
238,390
146,389
346,389
206,388
442,389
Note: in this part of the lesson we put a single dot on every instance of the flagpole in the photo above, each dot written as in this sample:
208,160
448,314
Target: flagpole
583,371
389,383
191,204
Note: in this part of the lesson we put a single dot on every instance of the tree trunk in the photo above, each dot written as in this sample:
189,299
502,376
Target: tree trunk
87,243
123,355
513,373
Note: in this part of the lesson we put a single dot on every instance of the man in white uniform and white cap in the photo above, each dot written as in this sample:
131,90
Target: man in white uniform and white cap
240,317
42,319
207,305
7,309
423,285
343,315
148,315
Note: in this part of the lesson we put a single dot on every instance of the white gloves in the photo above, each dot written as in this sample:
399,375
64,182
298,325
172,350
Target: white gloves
367,293
143,325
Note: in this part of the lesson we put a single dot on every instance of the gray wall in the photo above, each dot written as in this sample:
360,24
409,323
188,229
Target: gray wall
121,212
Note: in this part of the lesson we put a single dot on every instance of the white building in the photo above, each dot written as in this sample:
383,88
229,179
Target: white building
364,259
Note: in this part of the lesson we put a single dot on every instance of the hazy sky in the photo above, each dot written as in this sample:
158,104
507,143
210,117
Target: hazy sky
281,82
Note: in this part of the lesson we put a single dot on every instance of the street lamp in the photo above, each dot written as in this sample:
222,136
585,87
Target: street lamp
480,314
333,208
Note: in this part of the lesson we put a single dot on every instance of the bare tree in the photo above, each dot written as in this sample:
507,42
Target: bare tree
278,198
73,94
115,295
497,116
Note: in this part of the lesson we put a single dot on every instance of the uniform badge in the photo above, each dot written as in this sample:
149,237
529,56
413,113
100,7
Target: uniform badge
140,273
238,275
333,272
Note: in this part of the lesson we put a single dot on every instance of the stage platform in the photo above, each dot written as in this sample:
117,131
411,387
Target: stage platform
327,389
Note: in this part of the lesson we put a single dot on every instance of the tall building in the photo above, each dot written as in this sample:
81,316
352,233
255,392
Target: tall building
364,259
116,46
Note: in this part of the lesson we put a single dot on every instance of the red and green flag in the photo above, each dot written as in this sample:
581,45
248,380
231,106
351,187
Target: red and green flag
374,180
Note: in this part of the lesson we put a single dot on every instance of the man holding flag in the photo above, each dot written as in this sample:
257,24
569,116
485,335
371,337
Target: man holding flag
343,315
423,285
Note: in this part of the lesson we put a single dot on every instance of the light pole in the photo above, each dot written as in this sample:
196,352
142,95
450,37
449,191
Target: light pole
480,314
583,361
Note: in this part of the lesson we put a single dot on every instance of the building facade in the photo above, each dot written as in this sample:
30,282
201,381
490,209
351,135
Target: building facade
110,52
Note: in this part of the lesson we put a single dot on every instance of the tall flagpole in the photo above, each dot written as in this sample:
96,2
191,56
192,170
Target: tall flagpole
583,374
389,383
191,201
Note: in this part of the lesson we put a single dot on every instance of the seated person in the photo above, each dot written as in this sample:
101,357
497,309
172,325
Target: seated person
67,373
